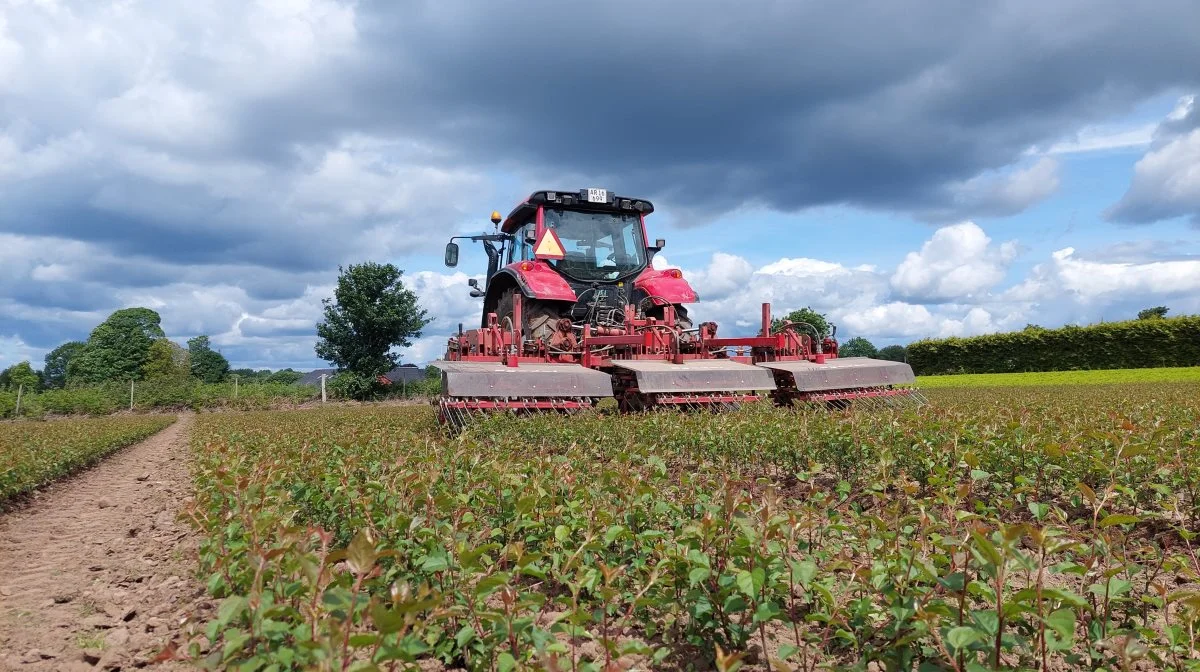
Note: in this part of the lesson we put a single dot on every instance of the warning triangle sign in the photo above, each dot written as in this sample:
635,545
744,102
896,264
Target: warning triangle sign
549,246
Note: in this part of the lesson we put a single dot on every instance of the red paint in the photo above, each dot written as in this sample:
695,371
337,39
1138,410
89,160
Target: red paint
664,285
542,281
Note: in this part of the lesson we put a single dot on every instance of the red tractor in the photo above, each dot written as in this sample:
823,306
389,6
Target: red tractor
574,311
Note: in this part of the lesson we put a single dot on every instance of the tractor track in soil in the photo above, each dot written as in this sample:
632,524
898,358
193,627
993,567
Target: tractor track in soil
96,571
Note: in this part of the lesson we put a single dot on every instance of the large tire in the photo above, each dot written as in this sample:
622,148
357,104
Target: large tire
540,317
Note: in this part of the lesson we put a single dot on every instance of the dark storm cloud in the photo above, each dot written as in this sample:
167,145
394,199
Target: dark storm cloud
784,104
45,335
707,105
65,295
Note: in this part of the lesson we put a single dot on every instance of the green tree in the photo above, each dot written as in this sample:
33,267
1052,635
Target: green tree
118,347
893,353
19,375
806,315
57,361
371,313
250,375
285,376
206,364
1155,313
166,359
857,347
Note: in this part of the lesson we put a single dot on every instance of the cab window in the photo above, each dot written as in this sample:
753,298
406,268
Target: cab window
522,246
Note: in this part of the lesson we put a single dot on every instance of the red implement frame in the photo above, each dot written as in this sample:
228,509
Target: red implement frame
661,339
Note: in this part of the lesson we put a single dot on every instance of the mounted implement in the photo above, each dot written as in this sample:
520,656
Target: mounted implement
574,311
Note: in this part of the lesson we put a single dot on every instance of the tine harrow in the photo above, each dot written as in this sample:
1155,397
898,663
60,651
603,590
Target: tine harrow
457,413
879,398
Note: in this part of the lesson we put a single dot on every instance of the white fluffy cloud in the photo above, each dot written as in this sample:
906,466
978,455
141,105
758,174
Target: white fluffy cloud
905,321
1166,181
999,194
958,262
957,284
1086,282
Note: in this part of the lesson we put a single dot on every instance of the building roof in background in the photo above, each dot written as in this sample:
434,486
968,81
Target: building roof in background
314,377
407,373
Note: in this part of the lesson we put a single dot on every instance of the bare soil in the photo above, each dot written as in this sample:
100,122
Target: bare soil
96,572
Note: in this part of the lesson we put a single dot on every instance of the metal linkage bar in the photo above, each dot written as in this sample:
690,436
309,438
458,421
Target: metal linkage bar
718,398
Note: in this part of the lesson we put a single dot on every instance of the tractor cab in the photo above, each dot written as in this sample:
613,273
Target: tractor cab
597,236
587,245
581,254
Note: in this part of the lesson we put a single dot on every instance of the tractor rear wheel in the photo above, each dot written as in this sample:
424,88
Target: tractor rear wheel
540,317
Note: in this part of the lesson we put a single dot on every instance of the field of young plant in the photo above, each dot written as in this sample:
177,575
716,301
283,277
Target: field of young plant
1019,529
33,454
1189,374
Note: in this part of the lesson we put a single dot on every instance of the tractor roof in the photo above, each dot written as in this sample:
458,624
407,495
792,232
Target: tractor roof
583,199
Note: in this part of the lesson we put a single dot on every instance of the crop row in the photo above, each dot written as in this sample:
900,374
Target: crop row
1040,378
33,454
1016,529
161,394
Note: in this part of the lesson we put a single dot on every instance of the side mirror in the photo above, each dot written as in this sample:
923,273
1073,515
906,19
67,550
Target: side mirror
660,243
452,254
473,283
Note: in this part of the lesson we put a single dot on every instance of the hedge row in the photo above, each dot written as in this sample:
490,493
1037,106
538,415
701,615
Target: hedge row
1134,344
159,394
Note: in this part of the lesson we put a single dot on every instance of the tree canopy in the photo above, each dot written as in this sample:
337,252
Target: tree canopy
1155,313
371,313
167,359
894,353
285,376
57,361
857,347
118,348
20,375
249,375
206,364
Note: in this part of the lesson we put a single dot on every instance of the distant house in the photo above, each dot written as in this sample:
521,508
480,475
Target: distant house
405,373
314,377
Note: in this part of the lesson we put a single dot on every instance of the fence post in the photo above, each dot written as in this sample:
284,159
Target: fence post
322,388
20,389
235,386
131,394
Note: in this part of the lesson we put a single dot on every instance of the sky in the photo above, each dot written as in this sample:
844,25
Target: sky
923,169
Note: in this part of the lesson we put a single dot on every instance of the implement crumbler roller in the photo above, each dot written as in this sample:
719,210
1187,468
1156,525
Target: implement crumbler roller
574,312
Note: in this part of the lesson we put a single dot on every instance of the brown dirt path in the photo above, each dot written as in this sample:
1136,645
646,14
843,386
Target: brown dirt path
96,572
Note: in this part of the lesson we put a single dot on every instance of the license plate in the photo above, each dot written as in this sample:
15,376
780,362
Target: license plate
597,195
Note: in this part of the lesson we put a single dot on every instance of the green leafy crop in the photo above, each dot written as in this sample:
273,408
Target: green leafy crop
1032,528
33,454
